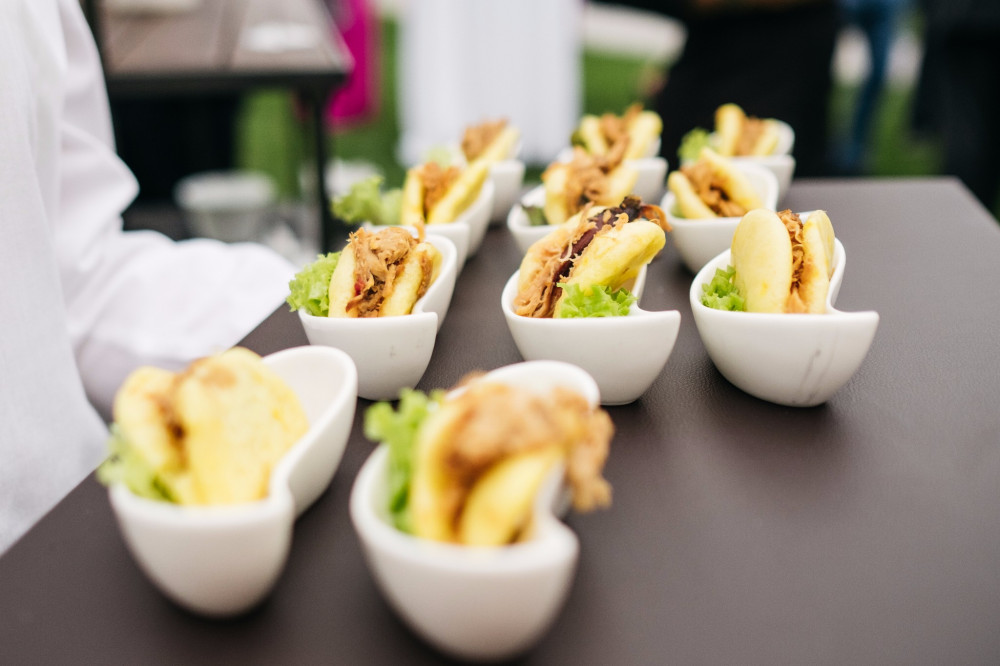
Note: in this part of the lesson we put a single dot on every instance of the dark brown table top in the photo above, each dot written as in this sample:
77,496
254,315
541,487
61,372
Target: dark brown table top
866,530
207,49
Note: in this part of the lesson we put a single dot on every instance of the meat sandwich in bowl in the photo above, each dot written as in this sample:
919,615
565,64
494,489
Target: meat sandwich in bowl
712,187
589,259
637,128
779,264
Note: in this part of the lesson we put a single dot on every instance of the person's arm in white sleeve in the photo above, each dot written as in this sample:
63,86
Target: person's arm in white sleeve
137,297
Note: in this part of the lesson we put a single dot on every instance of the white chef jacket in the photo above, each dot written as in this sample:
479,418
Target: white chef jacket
82,302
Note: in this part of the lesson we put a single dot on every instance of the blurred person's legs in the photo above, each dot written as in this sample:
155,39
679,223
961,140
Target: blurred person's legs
877,20
774,64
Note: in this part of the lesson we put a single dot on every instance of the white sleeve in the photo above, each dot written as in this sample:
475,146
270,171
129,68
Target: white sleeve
137,297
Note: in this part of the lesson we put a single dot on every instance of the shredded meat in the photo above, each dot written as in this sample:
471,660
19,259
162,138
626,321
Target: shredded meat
709,189
477,137
793,224
615,128
751,132
484,433
436,181
537,297
377,259
587,175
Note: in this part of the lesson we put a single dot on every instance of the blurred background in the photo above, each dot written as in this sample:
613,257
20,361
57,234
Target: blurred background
395,107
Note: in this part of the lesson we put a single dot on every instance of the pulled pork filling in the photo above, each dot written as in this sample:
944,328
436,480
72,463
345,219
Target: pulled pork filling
378,260
615,128
483,434
477,138
587,175
753,128
538,297
793,224
436,180
710,190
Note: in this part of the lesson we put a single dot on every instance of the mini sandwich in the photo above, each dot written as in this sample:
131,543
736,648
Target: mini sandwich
480,457
637,128
712,187
586,179
603,247
382,274
781,264
208,435
740,135
490,141
433,194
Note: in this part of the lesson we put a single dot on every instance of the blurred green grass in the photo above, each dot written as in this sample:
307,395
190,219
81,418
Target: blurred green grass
273,131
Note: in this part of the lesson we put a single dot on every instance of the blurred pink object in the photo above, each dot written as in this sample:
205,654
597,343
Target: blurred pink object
358,100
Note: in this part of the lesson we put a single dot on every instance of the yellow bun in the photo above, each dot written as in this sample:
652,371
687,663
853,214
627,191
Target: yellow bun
592,135
501,147
139,417
412,205
615,256
409,278
734,182
460,195
689,204
499,506
642,133
817,262
762,259
729,119
767,140
553,242
214,432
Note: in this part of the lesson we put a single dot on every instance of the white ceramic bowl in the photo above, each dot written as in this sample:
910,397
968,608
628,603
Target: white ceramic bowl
798,360
476,603
223,560
698,240
622,373
391,352
508,179
524,234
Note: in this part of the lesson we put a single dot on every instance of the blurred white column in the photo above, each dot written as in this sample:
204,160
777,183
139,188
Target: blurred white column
465,61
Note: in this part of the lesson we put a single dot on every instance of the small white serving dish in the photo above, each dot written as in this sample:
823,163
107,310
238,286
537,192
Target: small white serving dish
508,179
475,603
699,240
391,353
476,218
223,560
799,360
622,373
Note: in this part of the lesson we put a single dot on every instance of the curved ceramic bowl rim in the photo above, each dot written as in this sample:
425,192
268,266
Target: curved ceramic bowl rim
162,513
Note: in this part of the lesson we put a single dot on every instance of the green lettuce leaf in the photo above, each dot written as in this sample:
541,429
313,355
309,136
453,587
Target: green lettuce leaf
597,301
398,429
721,293
309,290
536,215
365,202
126,466
692,143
